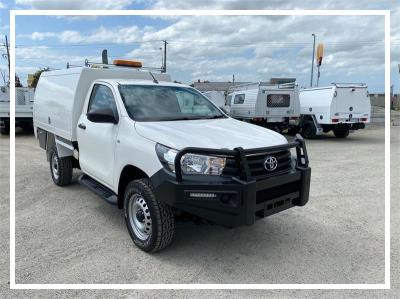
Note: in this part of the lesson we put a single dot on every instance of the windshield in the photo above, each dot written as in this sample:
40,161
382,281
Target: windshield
163,103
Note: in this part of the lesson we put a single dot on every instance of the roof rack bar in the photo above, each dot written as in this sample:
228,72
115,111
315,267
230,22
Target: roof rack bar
89,63
348,83
246,86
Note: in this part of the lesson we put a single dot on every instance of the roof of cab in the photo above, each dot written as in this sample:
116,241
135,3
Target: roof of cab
109,73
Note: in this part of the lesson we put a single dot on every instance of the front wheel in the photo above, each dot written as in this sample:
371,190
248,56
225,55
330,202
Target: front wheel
150,222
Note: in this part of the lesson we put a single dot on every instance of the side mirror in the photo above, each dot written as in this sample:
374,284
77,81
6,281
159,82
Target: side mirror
102,116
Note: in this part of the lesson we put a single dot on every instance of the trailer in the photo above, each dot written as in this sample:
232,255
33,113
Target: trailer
341,108
23,108
271,105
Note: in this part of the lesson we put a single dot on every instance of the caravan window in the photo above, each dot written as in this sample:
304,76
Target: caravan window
278,100
239,99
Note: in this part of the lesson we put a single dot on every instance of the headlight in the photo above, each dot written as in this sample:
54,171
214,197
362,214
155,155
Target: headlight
199,164
191,163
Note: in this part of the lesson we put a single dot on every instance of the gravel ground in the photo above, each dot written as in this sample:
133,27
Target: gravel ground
69,235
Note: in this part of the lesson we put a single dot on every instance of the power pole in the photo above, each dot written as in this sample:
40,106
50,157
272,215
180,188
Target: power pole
8,57
164,68
312,61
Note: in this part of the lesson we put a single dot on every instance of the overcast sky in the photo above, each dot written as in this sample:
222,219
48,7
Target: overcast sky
212,48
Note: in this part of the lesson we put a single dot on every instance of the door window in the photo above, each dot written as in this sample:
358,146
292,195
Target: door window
102,98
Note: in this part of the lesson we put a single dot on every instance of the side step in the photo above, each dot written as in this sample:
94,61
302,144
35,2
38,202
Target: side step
101,190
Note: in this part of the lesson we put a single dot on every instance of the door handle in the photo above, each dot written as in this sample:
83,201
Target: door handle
82,126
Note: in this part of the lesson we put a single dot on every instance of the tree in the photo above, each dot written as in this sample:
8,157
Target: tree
36,76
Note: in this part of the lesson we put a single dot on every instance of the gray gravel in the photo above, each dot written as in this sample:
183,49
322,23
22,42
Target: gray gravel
69,235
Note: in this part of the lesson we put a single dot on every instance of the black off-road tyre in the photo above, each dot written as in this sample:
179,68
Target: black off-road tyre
60,168
308,130
343,133
158,225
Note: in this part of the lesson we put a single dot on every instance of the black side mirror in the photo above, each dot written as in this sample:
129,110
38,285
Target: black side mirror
102,116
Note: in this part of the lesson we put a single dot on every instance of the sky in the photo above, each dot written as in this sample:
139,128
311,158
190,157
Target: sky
211,48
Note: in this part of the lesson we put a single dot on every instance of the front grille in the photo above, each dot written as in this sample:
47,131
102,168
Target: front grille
256,164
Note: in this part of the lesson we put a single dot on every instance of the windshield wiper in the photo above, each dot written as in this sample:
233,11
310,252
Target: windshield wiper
179,118
214,117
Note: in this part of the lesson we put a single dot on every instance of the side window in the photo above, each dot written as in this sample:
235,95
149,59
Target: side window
278,100
102,98
239,99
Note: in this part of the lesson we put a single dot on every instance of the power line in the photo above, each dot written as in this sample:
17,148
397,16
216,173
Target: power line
202,43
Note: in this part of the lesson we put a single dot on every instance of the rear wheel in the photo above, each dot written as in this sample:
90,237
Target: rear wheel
5,128
27,127
308,130
342,133
150,222
60,168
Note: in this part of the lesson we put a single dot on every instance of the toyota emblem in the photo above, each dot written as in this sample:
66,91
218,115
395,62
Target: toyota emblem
270,163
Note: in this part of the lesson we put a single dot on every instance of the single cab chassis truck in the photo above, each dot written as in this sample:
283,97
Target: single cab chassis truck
341,108
23,108
272,105
158,149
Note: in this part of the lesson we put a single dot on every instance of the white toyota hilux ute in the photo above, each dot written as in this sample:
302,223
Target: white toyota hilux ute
160,150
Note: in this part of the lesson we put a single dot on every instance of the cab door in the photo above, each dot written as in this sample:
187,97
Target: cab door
97,140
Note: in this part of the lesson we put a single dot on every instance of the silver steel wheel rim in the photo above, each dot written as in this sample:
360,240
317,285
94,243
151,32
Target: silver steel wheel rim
139,217
55,167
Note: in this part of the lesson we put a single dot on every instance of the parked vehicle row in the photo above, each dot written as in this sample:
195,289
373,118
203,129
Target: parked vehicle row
160,150
341,108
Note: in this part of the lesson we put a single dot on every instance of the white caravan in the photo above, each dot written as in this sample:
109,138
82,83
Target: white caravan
275,106
158,149
23,108
218,98
341,108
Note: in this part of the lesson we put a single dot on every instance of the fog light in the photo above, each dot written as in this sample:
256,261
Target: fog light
202,195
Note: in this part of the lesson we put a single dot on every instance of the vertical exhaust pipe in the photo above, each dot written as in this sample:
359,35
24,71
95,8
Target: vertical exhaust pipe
104,56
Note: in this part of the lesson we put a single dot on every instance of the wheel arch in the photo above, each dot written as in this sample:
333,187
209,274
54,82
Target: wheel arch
303,119
128,174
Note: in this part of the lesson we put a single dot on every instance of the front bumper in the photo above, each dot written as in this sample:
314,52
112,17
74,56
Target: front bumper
238,200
